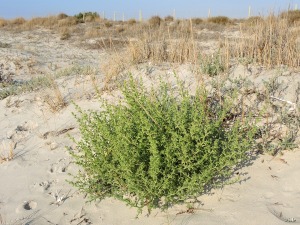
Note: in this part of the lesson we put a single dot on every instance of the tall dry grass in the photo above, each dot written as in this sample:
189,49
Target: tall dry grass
269,42
18,21
154,45
292,16
161,49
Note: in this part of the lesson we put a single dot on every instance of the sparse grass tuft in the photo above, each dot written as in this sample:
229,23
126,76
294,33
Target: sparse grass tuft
55,99
7,151
65,34
35,84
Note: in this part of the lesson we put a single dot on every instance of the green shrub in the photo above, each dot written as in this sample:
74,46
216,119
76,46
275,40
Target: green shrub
90,16
159,147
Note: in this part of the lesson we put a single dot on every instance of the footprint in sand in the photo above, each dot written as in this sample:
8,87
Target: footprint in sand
30,205
42,186
56,168
21,131
26,206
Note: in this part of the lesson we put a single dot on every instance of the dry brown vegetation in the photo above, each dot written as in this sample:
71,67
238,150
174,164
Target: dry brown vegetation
18,21
55,99
293,16
154,21
7,151
219,20
269,42
3,22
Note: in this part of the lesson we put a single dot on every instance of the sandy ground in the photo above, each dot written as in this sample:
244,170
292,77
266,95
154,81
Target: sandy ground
33,186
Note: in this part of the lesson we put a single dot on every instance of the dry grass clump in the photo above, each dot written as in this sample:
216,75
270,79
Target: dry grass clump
50,22
67,22
219,20
18,21
111,44
7,151
3,22
162,50
269,43
92,32
155,21
61,16
153,46
55,100
197,21
131,22
65,34
47,22
108,24
293,16
253,20
114,67
120,29
169,18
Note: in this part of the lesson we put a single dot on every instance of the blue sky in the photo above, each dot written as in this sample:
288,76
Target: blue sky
130,8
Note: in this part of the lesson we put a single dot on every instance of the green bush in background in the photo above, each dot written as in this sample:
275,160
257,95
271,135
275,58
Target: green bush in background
86,16
159,147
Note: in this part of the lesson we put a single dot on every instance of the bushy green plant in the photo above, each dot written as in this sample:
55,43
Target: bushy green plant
159,147
91,16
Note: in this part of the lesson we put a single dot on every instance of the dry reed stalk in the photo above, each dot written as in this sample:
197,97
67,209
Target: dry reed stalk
155,46
270,43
